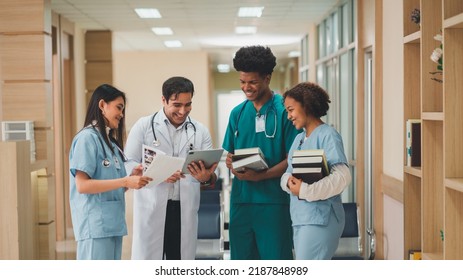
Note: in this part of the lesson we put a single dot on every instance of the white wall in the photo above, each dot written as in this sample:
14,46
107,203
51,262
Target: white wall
141,75
393,236
393,123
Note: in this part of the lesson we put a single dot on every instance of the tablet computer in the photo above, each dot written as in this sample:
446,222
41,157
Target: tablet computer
209,157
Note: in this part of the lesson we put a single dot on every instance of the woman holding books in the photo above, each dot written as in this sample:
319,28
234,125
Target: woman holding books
316,208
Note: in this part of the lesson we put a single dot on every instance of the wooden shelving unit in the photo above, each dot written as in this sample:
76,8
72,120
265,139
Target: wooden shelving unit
433,194
453,130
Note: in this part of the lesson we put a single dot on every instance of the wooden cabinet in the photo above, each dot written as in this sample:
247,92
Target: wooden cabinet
17,203
433,193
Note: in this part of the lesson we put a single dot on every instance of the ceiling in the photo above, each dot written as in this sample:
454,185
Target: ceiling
206,25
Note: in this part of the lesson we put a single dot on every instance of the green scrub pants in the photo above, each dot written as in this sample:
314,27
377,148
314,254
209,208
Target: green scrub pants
260,232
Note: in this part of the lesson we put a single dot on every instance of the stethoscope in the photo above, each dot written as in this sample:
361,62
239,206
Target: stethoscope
106,162
270,108
156,141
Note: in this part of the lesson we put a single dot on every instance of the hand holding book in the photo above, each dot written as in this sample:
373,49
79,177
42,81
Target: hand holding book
309,165
251,158
294,185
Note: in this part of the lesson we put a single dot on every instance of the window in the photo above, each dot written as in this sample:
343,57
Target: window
335,72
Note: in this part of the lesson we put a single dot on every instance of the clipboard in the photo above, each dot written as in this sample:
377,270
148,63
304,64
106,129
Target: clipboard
209,157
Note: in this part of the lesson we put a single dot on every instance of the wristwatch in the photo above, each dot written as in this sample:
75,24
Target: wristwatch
208,182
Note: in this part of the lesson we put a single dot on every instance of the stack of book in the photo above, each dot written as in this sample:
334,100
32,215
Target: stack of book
251,158
309,165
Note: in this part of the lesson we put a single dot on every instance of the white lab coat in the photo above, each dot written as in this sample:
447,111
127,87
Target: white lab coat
150,203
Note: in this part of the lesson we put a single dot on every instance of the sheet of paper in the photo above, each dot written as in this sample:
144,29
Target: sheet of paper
162,167
148,154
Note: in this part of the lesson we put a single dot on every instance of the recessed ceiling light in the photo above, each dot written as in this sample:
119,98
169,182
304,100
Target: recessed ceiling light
148,13
173,44
223,68
162,30
250,11
294,54
245,30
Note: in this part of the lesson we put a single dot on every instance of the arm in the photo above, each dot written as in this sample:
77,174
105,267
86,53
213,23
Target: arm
93,186
284,182
250,175
206,176
332,185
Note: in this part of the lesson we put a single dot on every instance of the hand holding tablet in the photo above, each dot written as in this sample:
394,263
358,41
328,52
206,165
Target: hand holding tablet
208,157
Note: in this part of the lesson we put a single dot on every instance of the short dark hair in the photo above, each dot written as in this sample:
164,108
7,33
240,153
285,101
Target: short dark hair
107,93
314,99
176,85
255,59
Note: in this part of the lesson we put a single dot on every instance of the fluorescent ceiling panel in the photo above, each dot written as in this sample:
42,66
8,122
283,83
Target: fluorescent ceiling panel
148,13
250,11
173,44
162,30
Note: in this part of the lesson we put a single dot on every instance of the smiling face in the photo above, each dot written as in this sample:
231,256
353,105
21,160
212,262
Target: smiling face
113,111
296,113
255,86
178,107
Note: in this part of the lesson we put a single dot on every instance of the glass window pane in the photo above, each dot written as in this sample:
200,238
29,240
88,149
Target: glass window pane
321,75
345,26
335,32
328,35
321,40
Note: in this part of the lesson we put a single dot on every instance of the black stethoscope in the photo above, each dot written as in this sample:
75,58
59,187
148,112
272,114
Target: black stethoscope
270,108
106,162
156,141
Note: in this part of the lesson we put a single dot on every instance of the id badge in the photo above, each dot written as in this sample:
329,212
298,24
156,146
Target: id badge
260,123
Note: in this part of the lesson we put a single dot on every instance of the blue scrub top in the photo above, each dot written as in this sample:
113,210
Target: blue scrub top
304,212
243,120
103,214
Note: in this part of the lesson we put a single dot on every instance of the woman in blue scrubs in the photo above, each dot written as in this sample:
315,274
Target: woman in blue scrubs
98,178
316,210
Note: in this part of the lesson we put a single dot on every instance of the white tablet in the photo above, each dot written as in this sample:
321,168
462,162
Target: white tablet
209,157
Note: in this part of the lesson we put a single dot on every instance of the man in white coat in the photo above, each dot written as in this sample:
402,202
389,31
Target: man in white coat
165,221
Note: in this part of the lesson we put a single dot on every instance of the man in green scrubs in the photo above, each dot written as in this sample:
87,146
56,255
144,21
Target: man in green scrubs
260,223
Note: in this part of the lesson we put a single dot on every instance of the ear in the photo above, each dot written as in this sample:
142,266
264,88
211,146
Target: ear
164,101
101,104
268,77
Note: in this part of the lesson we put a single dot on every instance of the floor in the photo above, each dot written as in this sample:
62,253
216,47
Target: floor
65,250
205,247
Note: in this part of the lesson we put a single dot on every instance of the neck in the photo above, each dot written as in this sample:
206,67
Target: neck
258,103
311,126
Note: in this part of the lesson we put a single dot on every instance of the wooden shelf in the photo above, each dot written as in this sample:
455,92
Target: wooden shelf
432,116
414,171
413,38
38,164
432,256
452,8
454,22
453,228
433,194
454,184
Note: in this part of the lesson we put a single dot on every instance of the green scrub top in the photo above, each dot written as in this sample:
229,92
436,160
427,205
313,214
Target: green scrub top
241,133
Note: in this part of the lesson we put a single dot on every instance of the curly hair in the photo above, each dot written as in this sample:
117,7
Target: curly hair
255,59
314,99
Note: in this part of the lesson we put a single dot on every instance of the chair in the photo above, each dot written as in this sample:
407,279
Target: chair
350,245
210,224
